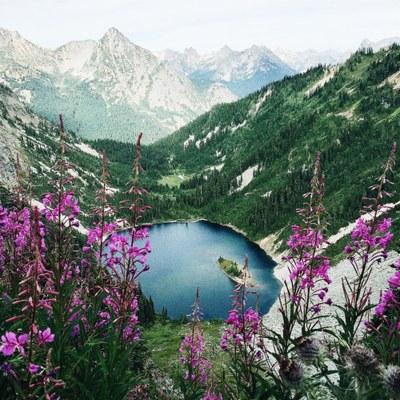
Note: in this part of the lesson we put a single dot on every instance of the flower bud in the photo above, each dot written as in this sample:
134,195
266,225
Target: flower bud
362,362
392,380
291,372
308,350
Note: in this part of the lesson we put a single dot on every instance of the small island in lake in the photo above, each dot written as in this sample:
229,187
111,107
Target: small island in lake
234,271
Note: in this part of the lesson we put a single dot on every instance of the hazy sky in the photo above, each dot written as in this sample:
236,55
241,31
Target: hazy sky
206,25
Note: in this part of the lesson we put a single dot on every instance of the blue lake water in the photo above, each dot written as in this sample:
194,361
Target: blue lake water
185,256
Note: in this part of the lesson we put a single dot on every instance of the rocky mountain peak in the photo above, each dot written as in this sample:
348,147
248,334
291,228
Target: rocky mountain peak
113,35
225,51
7,37
191,52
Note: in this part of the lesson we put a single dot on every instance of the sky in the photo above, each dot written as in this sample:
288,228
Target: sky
206,25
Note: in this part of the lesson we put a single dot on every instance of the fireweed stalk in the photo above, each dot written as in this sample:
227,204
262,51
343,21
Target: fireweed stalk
33,373
14,234
38,286
305,293
384,327
94,272
196,366
102,212
370,237
126,261
60,210
242,341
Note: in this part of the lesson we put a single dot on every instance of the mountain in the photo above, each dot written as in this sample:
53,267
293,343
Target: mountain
384,43
248,163
242,72
109,88
35,141
301,61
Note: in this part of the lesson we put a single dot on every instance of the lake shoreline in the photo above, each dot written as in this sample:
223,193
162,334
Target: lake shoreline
267,244
201,244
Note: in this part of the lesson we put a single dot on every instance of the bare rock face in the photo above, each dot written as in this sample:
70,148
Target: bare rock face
13,115
9,142
8,170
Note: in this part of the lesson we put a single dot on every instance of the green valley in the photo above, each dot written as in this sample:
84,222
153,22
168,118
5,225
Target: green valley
249,162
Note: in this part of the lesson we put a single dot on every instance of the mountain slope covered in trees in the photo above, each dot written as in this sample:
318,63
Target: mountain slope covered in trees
248,163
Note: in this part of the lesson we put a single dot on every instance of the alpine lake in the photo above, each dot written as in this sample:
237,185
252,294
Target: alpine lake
185,256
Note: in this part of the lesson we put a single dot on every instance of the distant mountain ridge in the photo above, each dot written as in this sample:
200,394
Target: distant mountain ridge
381,44
243,72
110,89
301,61
113,88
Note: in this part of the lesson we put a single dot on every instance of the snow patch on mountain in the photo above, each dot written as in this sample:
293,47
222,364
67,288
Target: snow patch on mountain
215,167
238,126
209,135
393,79
246,177
87,149
346,230
349,114
267,194
188,141
260,102
328,75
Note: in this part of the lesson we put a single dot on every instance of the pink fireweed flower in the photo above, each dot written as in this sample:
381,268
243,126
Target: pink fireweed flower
348,249
68,206
212,396
394,281
45,336
33,368
389,299
384,225
12,342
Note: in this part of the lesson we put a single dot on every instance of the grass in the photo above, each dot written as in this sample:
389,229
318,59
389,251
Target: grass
170,180
230,267
164,338
174,179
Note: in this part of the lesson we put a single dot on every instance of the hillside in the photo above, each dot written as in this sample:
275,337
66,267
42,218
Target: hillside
36,142
248,163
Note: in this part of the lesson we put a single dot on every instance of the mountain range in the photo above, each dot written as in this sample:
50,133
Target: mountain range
246,163
242,72
109,88
114,89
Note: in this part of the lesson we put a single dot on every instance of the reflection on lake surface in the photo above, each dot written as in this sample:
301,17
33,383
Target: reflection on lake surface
185,256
